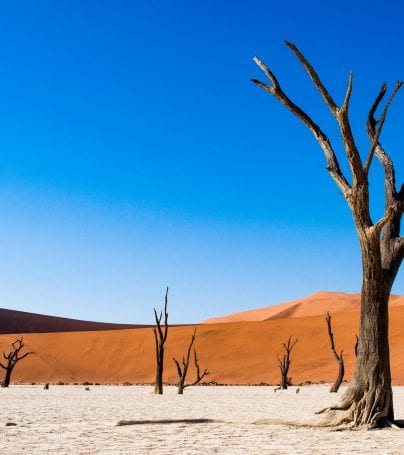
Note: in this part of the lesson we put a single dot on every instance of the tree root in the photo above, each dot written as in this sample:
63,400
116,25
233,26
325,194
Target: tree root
370,409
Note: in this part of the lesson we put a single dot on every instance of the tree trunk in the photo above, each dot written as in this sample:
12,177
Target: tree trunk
158,385
284,382
369,399
7,378
180,389
341,372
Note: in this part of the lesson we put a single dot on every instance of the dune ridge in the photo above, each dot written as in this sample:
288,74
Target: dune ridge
312,305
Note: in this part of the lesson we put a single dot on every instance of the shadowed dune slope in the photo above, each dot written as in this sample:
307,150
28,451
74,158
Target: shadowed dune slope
235,353
315,304
12,321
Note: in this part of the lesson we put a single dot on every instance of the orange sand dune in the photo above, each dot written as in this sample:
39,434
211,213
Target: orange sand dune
313,305
235,353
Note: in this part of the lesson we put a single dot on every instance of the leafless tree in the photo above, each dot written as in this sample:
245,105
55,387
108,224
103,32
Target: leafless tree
183,368
160,338
356,345
11,360
369,399
338,357
285,361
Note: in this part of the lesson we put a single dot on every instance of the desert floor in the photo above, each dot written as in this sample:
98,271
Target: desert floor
244,420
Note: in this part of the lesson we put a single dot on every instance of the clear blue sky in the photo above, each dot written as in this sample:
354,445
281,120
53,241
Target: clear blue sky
136,153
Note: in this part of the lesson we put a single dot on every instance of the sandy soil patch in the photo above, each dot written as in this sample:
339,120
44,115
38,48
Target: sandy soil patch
241,420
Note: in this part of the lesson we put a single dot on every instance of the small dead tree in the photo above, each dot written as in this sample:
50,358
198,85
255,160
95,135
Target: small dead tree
338,357
12,358
183,368
160,337
284,362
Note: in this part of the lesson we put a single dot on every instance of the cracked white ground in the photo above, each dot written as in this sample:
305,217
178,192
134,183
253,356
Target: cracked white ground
246,420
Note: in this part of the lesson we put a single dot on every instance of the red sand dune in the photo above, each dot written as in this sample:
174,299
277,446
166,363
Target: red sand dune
235,353
313,305
12,321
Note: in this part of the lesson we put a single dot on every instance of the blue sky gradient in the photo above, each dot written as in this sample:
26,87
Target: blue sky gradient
136,153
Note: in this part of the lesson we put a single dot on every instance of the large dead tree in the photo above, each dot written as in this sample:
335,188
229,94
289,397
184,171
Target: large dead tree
160,338
369,400
284,363
11,360
338,357
182,368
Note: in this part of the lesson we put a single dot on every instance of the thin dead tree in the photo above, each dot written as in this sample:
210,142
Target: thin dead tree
182,368
160,338
338,357
12,358
285,361
369,399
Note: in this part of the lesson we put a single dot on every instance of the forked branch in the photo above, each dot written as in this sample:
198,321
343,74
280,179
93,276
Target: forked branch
276,90
182,369
374,127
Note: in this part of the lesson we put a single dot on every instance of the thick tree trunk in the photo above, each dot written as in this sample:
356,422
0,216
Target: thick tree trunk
369,399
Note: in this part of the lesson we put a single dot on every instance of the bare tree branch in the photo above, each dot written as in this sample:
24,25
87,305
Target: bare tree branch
374,128
199,376
315,78
341,114
333,166
347,98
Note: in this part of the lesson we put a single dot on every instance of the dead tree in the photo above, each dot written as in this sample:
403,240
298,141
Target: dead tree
183,368
369,399
338,357
285,361
160,337
356,345
12,358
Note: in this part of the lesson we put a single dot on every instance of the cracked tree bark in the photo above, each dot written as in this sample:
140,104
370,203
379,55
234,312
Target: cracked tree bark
368,400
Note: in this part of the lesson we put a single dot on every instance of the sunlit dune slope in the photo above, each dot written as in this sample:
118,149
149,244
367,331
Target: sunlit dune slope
315,304
235,353
12,321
